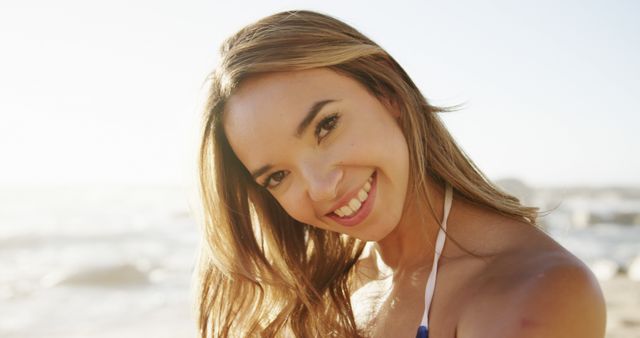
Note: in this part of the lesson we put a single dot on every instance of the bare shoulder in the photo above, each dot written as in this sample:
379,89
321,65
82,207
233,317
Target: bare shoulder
535,293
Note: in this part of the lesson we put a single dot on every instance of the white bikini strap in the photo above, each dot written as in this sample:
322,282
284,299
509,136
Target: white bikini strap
431,282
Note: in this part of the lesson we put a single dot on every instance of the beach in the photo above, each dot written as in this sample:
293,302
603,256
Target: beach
119,262
623,307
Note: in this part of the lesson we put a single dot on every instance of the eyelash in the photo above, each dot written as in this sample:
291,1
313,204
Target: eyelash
328,123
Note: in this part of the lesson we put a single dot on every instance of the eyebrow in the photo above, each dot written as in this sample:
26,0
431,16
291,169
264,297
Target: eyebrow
304,124
311,114
258,172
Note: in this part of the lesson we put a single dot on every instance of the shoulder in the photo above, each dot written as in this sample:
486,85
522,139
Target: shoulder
535,294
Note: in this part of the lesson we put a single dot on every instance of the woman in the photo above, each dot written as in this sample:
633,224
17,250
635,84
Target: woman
337,205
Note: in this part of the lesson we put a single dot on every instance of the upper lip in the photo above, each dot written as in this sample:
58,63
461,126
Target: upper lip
347,197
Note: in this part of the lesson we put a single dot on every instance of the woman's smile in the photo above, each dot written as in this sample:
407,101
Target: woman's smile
353,203
331,153
358,207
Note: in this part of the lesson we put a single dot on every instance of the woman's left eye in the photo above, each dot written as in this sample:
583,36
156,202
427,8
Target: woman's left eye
326,125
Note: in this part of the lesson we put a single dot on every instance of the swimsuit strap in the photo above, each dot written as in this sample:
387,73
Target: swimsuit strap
431,282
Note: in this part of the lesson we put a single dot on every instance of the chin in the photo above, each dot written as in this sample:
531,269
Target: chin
374,235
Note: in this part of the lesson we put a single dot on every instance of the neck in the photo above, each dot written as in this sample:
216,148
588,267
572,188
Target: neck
411,245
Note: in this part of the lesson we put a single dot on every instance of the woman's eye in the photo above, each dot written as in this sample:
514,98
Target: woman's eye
274,179
326,125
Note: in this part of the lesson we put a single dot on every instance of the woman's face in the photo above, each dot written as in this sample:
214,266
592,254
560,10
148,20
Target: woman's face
328,151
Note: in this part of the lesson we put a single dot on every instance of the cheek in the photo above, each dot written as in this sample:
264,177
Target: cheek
381,144
296,208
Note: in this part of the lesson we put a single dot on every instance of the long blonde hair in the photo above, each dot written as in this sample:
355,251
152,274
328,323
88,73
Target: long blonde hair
262,273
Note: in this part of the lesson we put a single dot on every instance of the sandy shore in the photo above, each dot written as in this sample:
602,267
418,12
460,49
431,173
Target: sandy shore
103,264
130,314
623,307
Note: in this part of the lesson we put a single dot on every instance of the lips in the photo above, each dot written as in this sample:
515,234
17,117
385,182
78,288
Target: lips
362,211
356,202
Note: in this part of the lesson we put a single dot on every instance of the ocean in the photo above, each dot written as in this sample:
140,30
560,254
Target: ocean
96,262
119,261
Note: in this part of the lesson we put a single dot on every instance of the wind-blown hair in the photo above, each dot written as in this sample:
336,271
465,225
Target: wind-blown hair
261,272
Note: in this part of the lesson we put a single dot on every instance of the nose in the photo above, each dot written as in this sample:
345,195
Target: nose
322,182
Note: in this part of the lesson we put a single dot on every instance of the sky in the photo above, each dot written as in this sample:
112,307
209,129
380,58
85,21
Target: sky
111,92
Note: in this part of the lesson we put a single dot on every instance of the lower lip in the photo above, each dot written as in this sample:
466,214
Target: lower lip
364,210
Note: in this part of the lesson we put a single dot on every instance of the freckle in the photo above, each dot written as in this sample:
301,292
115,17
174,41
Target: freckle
524,322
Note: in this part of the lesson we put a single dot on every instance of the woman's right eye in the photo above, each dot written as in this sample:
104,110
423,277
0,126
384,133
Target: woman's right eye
326,125
274,179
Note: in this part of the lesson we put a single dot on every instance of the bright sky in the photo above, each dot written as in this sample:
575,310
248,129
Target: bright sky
110,92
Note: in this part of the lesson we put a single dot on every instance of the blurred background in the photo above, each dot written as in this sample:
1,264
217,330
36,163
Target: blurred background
100,107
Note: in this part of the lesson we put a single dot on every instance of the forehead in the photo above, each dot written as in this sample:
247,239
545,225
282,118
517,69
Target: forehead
264,113
283,95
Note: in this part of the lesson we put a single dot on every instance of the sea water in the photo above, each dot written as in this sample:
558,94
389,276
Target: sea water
119,261
96,262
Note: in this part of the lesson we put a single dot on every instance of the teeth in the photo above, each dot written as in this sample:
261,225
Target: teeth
354,204
362,195
346,210
367,187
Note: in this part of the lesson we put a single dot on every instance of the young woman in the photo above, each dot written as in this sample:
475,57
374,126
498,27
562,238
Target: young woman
337,205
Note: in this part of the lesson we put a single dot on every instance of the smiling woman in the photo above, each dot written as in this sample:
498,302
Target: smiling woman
316,138
330,187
